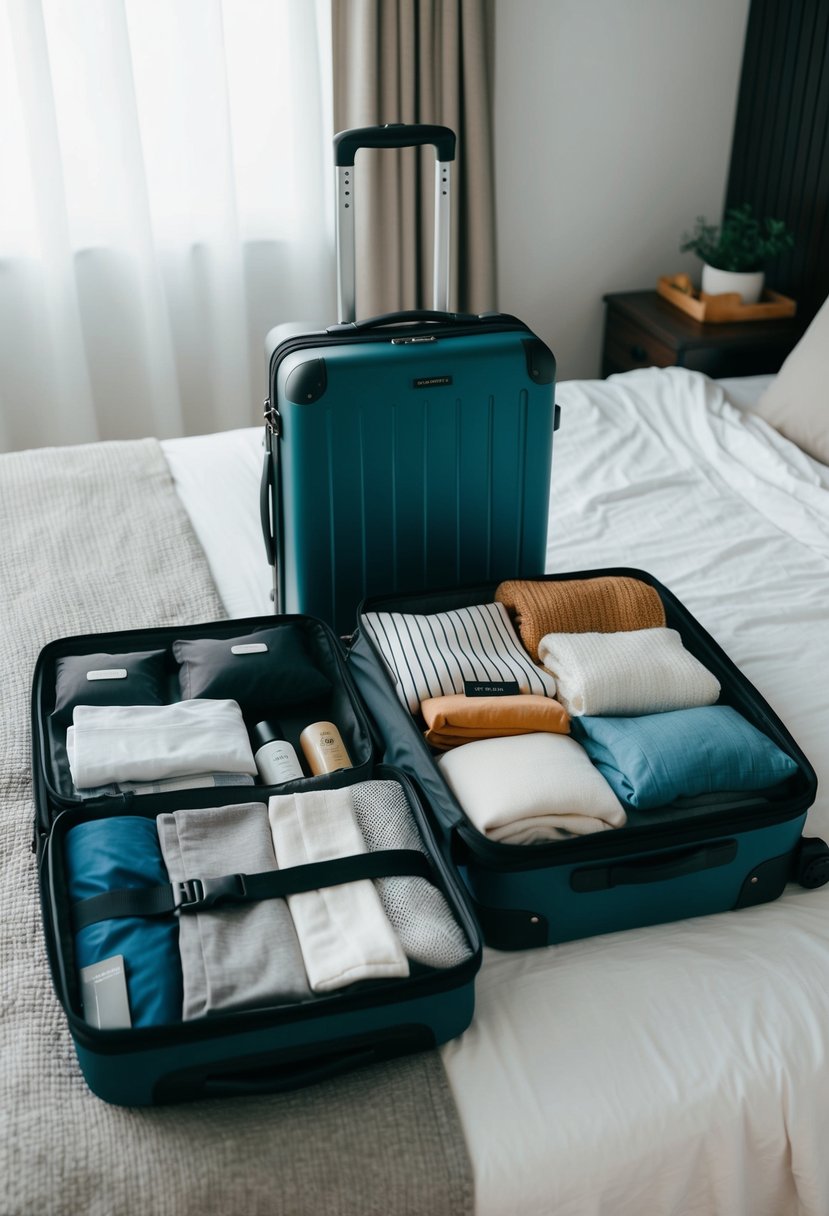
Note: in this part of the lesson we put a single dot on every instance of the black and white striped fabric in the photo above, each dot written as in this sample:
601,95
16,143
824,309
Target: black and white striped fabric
432,656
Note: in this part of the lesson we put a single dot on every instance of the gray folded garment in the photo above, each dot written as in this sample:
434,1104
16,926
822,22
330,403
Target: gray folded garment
416,909
240,956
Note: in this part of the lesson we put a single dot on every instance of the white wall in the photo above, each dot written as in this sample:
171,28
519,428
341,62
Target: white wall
613,123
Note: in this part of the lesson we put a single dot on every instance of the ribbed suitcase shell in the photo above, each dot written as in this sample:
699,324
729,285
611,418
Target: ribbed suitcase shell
423,461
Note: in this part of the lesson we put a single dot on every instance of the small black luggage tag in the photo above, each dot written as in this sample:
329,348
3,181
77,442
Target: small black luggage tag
490,688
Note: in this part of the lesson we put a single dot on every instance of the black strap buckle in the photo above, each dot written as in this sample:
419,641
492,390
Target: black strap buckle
195,893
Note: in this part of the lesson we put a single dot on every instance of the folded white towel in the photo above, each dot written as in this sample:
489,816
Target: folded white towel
343,932
433,656
645,671
521,789
152,742
169,785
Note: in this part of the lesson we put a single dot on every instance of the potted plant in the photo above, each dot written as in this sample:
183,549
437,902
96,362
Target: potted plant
734,254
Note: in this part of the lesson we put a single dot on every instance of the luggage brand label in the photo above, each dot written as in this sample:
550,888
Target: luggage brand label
431,381
490,688
109,673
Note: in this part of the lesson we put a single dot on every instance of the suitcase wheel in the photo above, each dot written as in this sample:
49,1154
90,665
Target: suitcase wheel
812,865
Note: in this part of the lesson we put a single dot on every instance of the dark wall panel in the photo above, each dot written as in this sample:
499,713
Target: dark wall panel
780,152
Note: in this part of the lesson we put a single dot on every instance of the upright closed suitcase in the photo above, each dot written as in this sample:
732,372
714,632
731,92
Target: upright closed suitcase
409,450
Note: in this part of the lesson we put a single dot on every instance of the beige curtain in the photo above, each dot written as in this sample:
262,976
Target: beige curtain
418,61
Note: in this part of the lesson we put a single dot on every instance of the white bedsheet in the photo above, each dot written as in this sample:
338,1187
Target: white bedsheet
682,1068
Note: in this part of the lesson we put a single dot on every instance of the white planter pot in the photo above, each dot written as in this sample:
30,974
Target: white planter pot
748,286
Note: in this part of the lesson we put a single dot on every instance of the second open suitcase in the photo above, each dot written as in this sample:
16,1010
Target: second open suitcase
184,965
690,857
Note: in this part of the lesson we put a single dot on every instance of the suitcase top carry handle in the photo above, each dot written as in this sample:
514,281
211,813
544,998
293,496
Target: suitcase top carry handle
402,318
394,135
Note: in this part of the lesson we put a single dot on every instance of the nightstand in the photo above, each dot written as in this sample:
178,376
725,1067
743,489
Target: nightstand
644,330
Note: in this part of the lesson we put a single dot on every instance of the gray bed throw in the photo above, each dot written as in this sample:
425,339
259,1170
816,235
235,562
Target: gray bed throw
94,538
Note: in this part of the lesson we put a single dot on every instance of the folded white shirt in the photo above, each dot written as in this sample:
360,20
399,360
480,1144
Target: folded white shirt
643,671
343,932
124,743
170,784
521,789
435,655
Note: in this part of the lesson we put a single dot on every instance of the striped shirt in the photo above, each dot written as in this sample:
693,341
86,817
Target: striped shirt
432,656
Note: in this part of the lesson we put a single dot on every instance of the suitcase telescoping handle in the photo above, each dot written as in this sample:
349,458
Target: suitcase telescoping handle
393,135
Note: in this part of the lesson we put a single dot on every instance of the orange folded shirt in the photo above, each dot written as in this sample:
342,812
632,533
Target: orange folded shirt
606,604
459,719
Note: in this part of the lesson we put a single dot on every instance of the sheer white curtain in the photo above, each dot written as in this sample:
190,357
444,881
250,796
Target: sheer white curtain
164,200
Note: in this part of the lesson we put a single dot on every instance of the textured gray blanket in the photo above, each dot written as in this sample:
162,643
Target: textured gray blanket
94,538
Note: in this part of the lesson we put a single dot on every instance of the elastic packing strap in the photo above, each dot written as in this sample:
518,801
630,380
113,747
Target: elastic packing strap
195,894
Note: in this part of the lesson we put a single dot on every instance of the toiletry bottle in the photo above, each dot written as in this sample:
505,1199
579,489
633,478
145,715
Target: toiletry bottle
276,760
323,748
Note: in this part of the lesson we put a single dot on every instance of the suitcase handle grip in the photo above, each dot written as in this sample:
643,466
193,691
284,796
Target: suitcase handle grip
265,494
661,868
393,135
431,315
277,1082
286,1070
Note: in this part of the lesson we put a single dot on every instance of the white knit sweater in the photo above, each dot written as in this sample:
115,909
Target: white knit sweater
645,671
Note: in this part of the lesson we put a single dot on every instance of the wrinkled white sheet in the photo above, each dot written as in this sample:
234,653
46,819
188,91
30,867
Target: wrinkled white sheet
682,1068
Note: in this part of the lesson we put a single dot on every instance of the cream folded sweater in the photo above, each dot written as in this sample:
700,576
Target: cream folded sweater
524,789
644,671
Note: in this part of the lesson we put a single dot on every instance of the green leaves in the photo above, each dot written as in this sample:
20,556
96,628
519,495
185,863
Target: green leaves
742,243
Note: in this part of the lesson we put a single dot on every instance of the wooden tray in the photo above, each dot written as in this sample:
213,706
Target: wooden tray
680,291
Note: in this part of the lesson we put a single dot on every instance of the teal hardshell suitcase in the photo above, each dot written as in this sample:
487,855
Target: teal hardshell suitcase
405,451
251,1050
665,864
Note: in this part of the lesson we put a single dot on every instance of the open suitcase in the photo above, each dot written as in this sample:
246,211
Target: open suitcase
664,864
233,1049
404,451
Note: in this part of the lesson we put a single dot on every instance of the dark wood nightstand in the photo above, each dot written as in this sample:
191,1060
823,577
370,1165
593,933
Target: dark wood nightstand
644,330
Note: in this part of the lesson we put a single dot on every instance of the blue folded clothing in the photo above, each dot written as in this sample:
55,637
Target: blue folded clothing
106,855
650,761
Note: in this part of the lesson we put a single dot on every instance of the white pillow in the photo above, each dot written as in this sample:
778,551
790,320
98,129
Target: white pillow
796,402
433,656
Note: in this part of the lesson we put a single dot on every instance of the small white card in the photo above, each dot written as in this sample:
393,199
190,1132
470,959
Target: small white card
108,673
249,648
104,994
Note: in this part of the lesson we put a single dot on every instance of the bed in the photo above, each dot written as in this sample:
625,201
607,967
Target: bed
681,1068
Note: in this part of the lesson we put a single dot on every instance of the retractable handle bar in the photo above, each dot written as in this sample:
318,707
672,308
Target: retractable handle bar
392,135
